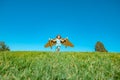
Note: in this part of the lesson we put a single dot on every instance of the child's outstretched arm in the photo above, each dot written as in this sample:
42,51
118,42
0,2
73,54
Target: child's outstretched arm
62,40
53,40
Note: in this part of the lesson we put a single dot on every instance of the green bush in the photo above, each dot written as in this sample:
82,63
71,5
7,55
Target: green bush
99,47
4,47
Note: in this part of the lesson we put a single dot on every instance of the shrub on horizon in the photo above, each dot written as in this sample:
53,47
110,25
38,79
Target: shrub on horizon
4,47
99,47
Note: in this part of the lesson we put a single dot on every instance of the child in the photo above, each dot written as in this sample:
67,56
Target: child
58,41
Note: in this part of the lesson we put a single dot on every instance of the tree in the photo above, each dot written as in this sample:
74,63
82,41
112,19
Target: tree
4,47
99,47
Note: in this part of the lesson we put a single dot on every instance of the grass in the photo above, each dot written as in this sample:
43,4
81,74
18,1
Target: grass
29,65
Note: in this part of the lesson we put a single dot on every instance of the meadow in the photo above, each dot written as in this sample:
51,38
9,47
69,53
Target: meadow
33,65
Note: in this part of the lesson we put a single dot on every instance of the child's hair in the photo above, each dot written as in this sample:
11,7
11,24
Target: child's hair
58,35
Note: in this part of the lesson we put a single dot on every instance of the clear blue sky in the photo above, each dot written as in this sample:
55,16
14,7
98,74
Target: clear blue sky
27,24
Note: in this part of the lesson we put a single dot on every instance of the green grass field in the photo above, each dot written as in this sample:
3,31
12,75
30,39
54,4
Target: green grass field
29,65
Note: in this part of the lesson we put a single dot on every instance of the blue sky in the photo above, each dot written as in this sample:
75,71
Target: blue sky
27,24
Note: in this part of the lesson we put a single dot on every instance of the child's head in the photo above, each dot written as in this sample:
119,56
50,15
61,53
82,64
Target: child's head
58,37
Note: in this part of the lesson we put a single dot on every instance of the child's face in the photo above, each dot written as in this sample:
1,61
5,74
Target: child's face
58,37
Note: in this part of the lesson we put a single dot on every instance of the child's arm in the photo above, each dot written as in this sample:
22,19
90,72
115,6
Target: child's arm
54,40
62,40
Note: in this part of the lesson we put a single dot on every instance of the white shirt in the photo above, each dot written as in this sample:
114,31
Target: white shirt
58,42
